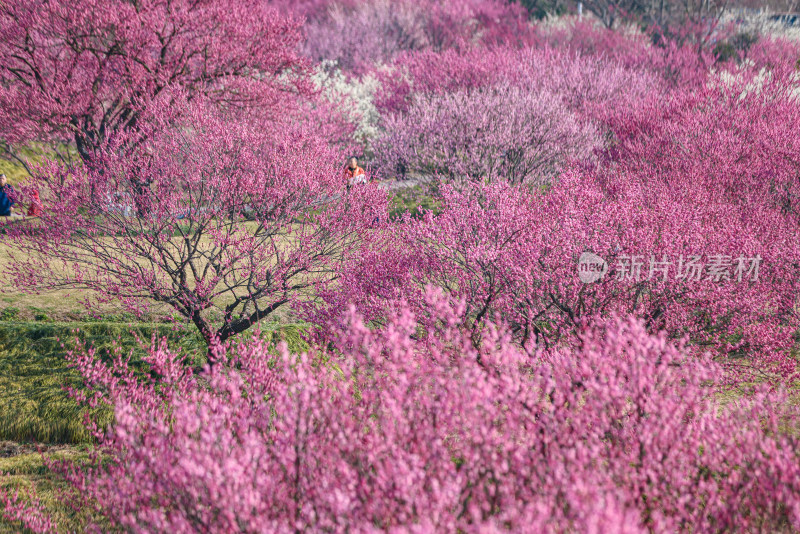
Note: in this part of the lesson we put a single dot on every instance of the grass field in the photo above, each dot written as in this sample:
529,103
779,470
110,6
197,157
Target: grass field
23,470
38,419
33,154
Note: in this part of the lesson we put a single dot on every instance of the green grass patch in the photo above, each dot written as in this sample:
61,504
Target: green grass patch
34,372
27,472
410,200
15,172
33,153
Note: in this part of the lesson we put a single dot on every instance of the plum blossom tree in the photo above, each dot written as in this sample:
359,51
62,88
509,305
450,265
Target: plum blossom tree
592,87
677,62
496,133
578,79
397,429
239,220
73,73
362,35
355,36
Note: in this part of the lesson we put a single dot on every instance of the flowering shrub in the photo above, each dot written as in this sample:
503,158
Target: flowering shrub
423,431
499,133
373,31
771,53
591,86
588,38
355,95
676,62
26,513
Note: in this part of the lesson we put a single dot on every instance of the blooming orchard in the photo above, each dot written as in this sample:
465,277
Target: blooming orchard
392,430
591,326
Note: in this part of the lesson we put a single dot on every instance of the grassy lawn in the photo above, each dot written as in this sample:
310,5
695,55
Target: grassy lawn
37,417
33,373
60,305
34,153
15,172
23,469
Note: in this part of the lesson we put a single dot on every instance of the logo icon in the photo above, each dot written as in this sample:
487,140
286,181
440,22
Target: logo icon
591,267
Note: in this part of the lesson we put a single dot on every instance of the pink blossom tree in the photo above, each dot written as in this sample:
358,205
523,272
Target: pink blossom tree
495,133
73,73
357,35
362,35
417,431
582,81
238,221
676,62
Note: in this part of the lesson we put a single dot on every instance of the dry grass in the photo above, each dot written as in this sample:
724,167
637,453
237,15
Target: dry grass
68,304
58,305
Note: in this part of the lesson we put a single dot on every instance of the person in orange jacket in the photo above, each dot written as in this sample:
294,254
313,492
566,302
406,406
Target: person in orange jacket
353,174
35,209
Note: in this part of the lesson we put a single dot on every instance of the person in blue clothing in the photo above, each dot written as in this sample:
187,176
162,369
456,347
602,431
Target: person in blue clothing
6,196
